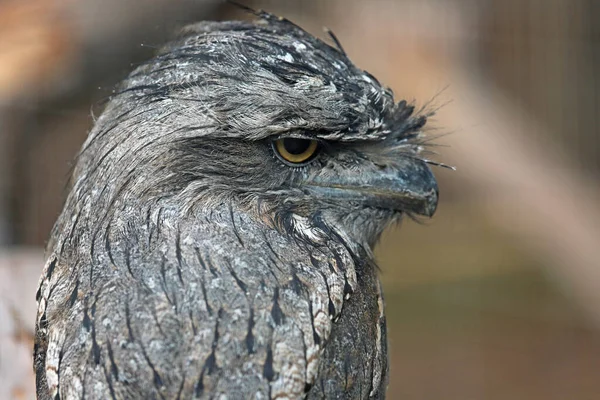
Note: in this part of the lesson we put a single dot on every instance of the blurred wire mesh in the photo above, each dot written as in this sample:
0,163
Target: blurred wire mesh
497,297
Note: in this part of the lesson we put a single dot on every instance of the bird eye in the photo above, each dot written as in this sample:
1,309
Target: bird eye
296,151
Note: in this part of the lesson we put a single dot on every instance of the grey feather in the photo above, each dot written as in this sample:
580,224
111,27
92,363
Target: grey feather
190,262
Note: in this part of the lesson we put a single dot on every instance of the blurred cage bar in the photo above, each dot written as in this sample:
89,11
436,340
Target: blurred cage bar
497,297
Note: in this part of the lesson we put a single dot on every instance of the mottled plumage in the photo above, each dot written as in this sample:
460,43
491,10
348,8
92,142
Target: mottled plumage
191,262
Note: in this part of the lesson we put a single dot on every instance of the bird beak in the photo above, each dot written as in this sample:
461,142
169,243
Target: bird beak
408,185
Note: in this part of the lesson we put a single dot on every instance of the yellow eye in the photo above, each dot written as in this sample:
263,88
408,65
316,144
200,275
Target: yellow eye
296,151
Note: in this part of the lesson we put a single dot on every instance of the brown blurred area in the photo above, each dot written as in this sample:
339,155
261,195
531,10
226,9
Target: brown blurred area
497,297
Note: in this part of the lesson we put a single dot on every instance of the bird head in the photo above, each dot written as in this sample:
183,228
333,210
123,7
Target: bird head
264,115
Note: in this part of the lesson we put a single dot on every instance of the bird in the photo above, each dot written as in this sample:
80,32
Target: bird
217,237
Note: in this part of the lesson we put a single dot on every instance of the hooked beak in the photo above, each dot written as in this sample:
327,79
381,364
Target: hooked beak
408,185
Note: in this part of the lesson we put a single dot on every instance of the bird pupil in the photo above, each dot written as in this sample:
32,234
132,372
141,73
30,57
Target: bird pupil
296,146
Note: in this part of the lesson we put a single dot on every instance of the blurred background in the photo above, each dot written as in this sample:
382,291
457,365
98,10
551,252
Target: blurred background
496,297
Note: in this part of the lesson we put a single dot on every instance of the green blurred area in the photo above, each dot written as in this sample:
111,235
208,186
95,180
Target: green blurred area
502,337
471,316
